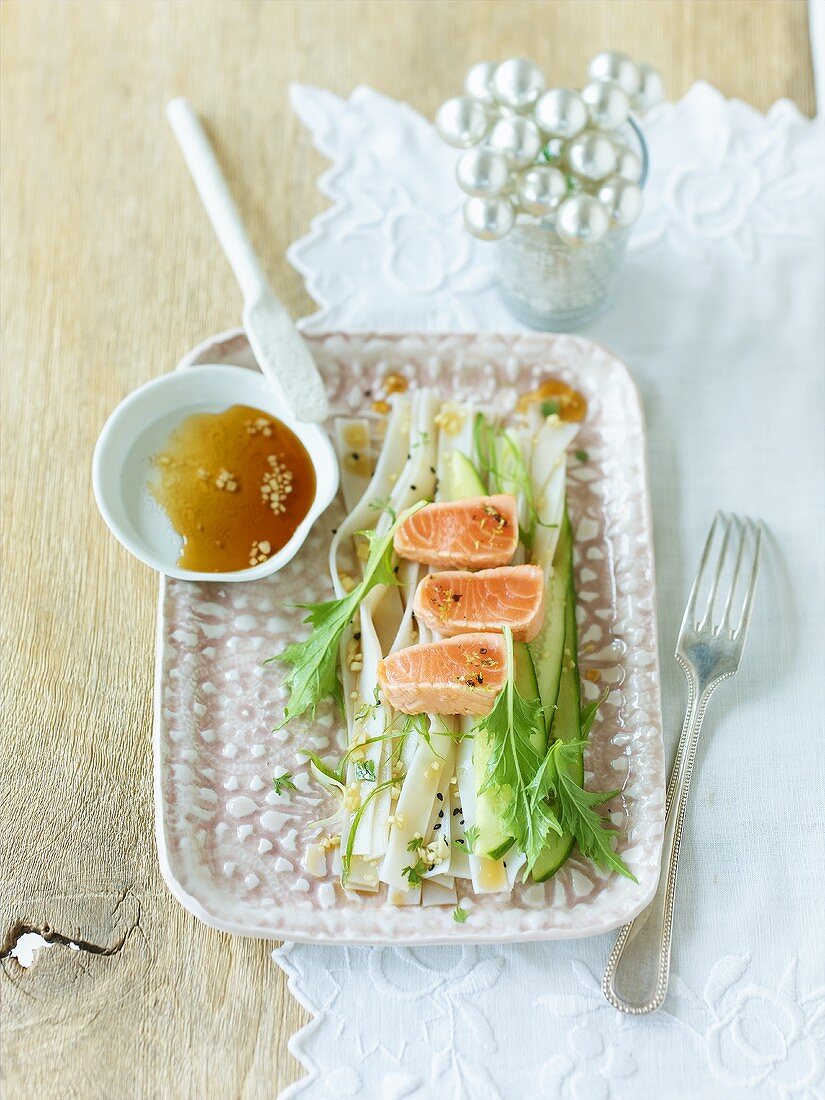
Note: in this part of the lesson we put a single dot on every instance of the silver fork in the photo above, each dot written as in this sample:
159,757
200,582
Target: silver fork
709,650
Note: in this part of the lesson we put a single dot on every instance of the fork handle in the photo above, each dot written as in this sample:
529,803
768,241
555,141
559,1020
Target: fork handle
636,977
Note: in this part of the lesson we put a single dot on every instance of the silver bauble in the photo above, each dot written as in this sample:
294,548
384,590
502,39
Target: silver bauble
621,199
628,165
540,189
461,122
581,220
482,171
591,157
518,138
518,83
561,113
477,81
618,67
489,219
554,147
651,88
607,104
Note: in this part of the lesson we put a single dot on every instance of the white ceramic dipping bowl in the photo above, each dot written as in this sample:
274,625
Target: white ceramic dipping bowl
140,427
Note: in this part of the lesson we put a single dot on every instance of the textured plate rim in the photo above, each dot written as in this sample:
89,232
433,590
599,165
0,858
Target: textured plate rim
463,936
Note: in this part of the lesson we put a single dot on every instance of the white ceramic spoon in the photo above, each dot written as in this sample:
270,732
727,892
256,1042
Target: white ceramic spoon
281,353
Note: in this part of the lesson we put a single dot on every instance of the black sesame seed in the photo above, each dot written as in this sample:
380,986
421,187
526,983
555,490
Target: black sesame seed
461,822
456,811
432,469
440,813
436,826
439,796
357,635
413,487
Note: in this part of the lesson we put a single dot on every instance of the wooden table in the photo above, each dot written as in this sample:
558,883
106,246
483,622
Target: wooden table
110,272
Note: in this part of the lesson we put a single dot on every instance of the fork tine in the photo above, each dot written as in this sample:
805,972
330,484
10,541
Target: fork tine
690,610
737,568
720,564
744,621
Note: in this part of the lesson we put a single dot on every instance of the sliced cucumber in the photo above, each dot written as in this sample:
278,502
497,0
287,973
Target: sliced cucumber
461,478
493,840
492,837
527,683
547,647
566,726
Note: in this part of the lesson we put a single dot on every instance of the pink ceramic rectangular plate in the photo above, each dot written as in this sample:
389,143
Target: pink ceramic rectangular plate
230,847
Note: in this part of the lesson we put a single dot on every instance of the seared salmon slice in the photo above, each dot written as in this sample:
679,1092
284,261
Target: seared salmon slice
476,533
461,675
458,602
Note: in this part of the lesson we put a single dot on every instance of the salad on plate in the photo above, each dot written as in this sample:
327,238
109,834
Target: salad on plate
450,645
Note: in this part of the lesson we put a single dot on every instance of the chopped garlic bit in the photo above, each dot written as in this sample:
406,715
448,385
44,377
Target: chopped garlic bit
357,751
347,582
276,485
436,850
259,552
352,797
354,656
226,481
450,418
259,426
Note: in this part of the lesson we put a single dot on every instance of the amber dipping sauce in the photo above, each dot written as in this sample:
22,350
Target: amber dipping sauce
235,485
556,397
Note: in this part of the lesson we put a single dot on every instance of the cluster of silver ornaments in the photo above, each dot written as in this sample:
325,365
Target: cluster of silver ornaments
549,153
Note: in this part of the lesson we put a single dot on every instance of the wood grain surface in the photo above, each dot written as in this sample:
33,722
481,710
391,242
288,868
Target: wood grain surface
109,273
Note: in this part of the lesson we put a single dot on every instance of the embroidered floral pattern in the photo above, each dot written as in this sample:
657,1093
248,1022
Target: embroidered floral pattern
437,1022
725,177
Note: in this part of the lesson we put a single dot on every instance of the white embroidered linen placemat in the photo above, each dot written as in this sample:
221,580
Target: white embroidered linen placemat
720,318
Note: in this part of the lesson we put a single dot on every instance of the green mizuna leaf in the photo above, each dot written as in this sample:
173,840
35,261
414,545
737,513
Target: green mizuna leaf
513,764
365,771
574,806
538,793
314,676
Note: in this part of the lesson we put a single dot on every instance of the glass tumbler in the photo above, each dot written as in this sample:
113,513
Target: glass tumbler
550,285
